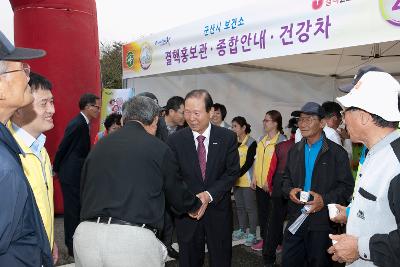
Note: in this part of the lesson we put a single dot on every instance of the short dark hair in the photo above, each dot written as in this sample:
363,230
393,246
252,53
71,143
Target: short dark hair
293,125
111,119
37,81
208,102
174,103
332,109
87,99
242,122
378,120
221,108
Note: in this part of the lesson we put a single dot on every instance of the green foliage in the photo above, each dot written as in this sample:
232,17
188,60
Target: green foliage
111,65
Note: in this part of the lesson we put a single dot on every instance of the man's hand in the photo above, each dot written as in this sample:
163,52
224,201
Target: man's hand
205,199
317,204
54,253
346,248
341,217
293,196
253,184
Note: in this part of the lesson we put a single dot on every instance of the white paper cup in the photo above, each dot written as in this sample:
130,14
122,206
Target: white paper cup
333,210
304,196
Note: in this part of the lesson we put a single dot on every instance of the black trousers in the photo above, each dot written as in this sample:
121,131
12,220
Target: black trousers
274,228
263,207
306,248
168,230
72,209
191,253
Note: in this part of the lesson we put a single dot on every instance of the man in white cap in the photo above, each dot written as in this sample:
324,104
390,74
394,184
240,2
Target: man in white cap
373,232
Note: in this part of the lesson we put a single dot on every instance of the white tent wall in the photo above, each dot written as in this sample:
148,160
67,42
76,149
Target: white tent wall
247,92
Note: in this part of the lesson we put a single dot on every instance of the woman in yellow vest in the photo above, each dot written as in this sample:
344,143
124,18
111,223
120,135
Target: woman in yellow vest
264,170
245,197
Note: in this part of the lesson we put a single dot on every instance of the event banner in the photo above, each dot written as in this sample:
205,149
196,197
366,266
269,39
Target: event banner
112,101
264,30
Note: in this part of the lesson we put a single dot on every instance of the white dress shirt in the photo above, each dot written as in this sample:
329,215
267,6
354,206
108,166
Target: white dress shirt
86,118
206,141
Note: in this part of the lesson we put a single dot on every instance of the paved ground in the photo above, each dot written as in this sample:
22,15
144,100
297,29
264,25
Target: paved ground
241,255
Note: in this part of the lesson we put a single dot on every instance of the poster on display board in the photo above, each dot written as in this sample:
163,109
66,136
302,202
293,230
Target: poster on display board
112,101
262,30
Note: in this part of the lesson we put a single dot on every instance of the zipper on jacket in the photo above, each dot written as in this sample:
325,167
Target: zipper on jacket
42,165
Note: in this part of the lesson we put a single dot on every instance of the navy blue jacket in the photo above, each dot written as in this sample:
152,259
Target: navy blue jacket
23,240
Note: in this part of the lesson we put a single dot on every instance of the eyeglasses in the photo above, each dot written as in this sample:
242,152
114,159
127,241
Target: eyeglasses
306,120
25,68
98,107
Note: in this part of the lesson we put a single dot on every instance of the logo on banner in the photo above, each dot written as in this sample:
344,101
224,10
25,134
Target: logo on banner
163,41
130,59
131,54
146,56
390,10
317,4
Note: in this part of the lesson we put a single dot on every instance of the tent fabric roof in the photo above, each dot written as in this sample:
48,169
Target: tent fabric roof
339,63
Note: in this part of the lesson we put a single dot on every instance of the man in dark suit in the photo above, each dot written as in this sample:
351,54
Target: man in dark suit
69,159
126,180
209,163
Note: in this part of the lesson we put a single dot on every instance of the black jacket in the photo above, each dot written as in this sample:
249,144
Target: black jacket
331,178
128,175
222,170
72,151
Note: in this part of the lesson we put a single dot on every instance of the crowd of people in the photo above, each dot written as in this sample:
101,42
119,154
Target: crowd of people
156,170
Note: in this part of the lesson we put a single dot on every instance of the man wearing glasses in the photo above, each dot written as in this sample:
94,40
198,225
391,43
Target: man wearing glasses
317,173
69,160
23,240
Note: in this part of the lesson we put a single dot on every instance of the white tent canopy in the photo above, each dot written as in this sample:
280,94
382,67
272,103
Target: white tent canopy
273,76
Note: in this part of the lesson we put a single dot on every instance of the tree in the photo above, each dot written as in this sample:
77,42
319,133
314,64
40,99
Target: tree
111,65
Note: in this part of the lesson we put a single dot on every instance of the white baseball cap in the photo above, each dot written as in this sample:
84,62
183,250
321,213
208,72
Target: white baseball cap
377,93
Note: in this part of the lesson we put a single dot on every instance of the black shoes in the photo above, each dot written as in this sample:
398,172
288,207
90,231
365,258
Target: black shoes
172,252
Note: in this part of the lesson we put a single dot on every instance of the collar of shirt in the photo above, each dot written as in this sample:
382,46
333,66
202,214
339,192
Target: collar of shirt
35,145
332,135
206,134
86,118
384,142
